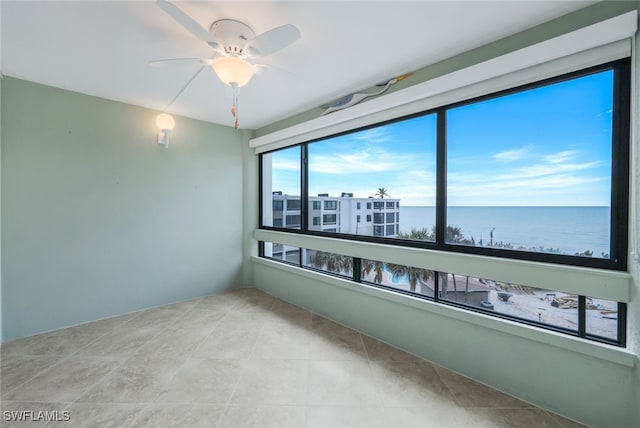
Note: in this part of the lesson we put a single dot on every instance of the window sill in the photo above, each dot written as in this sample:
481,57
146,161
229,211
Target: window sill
598,283
600,351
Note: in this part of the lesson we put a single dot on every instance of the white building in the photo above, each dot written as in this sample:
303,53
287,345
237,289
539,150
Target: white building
341,214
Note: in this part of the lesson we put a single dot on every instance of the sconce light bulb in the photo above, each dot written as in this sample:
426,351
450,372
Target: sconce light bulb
165,122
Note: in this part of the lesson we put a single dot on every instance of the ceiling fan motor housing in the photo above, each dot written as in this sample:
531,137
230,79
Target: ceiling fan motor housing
233,35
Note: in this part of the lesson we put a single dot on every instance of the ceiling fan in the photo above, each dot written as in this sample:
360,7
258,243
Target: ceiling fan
234,43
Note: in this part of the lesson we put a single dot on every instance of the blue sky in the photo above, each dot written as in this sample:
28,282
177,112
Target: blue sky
544,147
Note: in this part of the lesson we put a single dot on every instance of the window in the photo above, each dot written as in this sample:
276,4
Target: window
532,170
603,320
316,221
553,308
317,205
280,252
328,262
293,220
330,205
329,218
293,204
399,277
280,174
538,173
357,219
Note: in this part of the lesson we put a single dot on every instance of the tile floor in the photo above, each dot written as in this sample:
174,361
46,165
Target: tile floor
240,360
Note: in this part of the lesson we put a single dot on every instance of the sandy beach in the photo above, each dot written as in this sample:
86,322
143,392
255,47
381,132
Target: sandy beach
527,303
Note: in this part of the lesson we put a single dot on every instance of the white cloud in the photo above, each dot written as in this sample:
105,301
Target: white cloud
286,165
374,135
513,155
364,161
559,184
561,157
542,170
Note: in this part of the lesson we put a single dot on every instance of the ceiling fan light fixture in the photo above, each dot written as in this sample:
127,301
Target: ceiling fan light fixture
233,71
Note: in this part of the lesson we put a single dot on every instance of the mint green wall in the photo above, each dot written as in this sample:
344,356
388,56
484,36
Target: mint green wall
99,220
250,204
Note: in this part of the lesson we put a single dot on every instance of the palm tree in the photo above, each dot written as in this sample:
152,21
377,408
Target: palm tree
399,270
332,262
371,265
319,259
382,192
347,264
454,235
414,274
422,234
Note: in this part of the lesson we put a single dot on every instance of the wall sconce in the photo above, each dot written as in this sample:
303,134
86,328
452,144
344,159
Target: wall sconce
165,123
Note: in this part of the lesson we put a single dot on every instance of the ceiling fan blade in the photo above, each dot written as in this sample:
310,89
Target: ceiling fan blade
186,85
273,40
188,23
180,61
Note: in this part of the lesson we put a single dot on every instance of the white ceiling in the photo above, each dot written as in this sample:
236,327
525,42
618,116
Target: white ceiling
102,48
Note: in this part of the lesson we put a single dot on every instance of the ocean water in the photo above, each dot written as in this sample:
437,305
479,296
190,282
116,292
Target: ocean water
567,229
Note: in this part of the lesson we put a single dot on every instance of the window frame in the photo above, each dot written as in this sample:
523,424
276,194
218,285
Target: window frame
580,331
619,203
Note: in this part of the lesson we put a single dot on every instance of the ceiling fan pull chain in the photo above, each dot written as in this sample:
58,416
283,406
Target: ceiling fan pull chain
234,108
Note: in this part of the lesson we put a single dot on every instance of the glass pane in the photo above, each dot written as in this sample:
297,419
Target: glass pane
602,318
401,277
277,251
281,188
531,171
548,307
376,173
328,262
